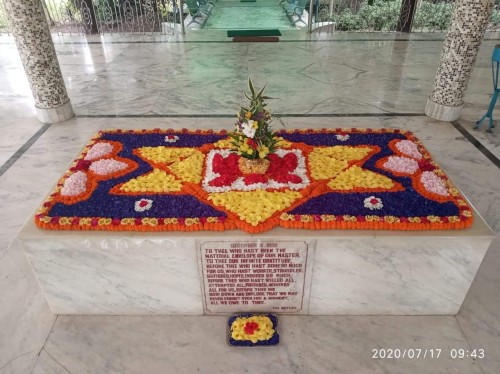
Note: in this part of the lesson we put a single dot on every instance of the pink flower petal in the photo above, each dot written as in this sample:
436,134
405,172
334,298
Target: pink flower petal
403,165
99,150
408,148
75,184
433,183
107,166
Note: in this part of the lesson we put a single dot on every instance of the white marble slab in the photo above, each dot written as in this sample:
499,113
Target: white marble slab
25,318
479,317
109,274
354,272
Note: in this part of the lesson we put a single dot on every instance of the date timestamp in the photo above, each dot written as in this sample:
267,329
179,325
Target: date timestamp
396,353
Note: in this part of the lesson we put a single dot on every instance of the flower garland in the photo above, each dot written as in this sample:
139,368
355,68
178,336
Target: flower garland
162,180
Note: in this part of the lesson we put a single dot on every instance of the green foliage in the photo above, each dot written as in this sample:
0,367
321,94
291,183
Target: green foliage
346,21
431,17
495,18
383,15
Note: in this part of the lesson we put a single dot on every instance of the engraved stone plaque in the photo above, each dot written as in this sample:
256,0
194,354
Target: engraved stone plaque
256,275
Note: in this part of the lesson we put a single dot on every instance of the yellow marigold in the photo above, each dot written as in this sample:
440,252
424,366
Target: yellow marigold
467,213
453,219
65,220
328,217
358,177
372,218
328,162
305,218
414,219
434,218
104,221
248,115
85,221
349,218
257,206
127,221
391,219
462,202
223,143
254,329
150,221
212,219
282,143
45,219
191,221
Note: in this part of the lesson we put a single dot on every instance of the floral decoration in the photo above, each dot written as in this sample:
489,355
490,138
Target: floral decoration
433,183
342,137
253,330
171,138
409,148
287,169
316,179
142,205
254,137
373,202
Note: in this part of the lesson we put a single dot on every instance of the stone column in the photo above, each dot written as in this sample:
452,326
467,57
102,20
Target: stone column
30,29
468,24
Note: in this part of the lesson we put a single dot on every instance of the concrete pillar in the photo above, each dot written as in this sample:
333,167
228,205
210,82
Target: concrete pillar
468,24
30,29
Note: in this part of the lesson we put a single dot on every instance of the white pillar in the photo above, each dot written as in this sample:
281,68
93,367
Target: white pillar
31,32
469,21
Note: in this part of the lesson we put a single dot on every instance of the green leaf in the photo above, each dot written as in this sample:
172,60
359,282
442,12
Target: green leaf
261,92
250,85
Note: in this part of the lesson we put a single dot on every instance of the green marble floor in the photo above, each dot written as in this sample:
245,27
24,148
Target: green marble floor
233,14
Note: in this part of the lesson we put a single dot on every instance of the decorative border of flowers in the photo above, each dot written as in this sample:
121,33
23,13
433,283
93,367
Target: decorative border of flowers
303,221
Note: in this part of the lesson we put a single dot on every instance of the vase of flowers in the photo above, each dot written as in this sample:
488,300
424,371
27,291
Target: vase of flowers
254,139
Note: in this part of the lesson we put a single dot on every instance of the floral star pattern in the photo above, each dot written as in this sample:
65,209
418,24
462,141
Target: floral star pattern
161,180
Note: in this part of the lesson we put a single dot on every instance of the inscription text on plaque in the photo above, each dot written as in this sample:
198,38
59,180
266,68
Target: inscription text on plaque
259,275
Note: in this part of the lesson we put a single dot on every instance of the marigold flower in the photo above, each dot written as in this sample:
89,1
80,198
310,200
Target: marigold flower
254,328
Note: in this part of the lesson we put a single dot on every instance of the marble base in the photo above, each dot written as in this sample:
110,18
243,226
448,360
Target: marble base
353,273
61,113
442,112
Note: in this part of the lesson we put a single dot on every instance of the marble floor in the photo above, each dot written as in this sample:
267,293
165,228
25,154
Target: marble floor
332,80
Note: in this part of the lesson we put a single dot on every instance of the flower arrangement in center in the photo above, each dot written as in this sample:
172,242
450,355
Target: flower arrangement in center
254,139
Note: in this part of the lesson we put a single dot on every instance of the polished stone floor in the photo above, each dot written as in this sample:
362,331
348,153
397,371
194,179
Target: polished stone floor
327,80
